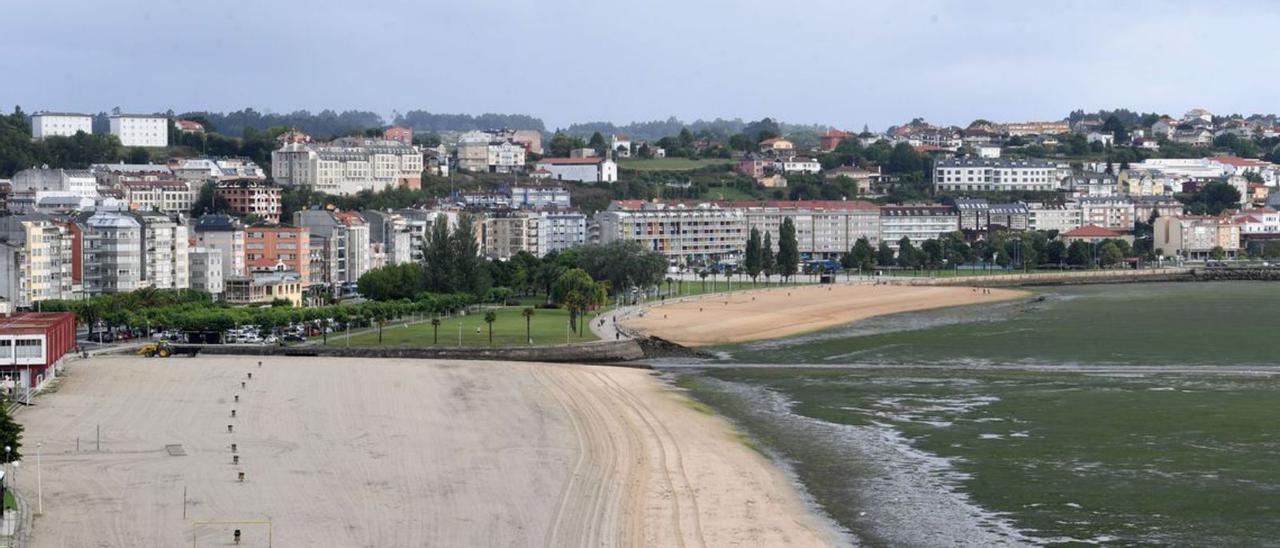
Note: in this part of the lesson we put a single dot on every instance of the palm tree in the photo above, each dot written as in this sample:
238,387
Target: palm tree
435,330
489,318
703,274
669,282
528,318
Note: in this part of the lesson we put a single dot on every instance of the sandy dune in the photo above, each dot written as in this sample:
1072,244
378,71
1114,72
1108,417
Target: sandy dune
778,312
395,453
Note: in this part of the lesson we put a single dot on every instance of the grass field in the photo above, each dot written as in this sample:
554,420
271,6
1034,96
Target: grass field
671,164
548,326
726,193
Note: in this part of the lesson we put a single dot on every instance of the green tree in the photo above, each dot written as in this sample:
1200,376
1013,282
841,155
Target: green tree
884,255
1218,253
490,317
753,260
862,256
574,290
528,313
1109,254
598,144
906,253
10,434
437,268
1079,254
1055,252
788,249
768,262
139,155
435,330
469,272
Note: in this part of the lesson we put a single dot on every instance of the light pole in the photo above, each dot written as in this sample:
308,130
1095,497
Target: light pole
39,482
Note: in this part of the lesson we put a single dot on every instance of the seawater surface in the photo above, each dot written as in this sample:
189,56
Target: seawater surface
999,455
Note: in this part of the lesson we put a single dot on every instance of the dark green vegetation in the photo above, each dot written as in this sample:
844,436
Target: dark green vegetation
510,328
1217,323
1163,461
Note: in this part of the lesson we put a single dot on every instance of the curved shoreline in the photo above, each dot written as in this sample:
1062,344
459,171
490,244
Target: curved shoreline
779,312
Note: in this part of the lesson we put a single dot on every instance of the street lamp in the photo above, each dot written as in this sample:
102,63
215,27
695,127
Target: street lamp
39,482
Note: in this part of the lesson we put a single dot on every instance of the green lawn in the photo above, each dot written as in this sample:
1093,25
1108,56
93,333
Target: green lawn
549,326
671,164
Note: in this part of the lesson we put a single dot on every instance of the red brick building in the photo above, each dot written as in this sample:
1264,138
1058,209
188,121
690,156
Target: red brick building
251,197
276,248
402,134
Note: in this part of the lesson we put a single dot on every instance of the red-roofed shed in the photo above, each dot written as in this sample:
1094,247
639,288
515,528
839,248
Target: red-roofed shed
31,344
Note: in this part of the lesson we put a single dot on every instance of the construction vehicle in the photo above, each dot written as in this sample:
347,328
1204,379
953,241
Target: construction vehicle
164,350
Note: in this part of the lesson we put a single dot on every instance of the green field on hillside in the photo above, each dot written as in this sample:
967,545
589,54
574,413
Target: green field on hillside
671,164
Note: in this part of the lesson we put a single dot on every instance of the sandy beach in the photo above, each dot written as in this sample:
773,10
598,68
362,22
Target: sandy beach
394,453
781,311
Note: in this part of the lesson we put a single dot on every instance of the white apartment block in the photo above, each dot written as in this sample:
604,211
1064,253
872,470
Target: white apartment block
559,230
796,164
684,234
35,260
205,267
1061,217
505,157
994,174
168,197
111,253
1115,213
505,234
59,124
165,252
583,170
917,222
79,182
141,130
824,229
537,197
473,151
348,165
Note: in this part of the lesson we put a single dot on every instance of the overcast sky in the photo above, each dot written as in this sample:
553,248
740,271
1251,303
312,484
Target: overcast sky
840,62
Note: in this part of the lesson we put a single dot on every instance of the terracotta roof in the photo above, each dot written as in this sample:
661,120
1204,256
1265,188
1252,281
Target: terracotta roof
1092,231
1236,161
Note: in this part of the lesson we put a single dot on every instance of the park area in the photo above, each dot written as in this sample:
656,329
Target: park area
546,326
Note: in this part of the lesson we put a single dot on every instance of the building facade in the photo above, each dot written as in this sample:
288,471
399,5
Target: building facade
251,197
205,268
348,165
994,175
140,130
583,170
226,234
917,222
59,124
111,253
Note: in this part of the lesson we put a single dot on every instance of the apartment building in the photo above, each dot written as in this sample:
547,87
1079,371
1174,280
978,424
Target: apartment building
917,222
357,233
59,124
348,165
389,238
75,182
168,197
504,157
583,170
111,253
683,233
536,197
278,248
994,174
205,270
141,130
35,260
1161,206
165,251
1196,236
796,164
506,233
1115,213
560,229
251,197
226,234
980,215
1050,216
328,238
825,229
1092,183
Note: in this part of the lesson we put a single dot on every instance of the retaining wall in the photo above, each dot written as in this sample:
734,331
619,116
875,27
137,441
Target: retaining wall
592,352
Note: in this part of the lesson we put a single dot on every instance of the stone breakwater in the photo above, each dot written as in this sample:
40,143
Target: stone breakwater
1255,274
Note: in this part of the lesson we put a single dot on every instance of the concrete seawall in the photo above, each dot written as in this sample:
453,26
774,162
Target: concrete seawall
1062,278
592,352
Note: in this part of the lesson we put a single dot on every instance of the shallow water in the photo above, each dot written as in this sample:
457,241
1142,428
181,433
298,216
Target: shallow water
1006,456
